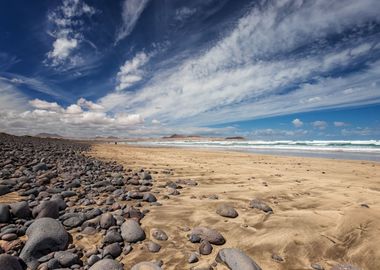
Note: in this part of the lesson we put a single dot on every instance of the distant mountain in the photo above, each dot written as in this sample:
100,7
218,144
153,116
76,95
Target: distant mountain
48,135
235,138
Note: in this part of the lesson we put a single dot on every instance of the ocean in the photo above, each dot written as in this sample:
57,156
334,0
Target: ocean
354,150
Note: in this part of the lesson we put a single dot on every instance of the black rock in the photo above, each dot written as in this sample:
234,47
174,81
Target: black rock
21,210
5,214
8,262
4,189
66,258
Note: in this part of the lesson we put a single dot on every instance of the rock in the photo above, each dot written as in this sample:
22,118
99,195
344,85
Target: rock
74,220
8,262
235,259
66,258
153,247
107,220
193,258
132,232
205,248
21,210
159,234
259,204
112,237
47,209
93,259
317,266
127,249
146,266
149,197
113,249
45,235
146,176
345,267
208,234
107,264
226,210
40,167
5,214
277,258
4,190
9,237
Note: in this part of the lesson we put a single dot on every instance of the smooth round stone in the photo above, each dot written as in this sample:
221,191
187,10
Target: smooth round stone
93,259
153,247
112,237
113,249
205,248
193,258
9,237
146,266
132,232
21,210
259,204
8,262
159,234
208,234
107,220
66,258
226,210
5,214
235,259
44,236
107,264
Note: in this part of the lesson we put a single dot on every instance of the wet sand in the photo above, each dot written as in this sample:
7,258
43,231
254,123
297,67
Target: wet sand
318,214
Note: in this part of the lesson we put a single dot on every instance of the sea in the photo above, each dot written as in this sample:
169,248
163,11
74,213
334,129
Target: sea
351,150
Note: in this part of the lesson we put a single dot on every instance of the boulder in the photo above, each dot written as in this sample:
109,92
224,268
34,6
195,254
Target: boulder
47,209
4,189
45,235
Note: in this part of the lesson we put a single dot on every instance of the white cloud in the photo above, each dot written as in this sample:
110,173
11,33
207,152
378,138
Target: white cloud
276,133
240,78
89,105
156,122
184,13
131,72
340,124
131,13
74,109
320,124
44,105
297,123
62,48
66,21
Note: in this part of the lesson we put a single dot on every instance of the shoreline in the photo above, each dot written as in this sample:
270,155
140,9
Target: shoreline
332,155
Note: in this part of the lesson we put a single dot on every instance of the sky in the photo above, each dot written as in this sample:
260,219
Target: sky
286,69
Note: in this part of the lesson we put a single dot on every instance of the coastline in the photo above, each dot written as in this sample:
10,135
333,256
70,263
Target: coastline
318,213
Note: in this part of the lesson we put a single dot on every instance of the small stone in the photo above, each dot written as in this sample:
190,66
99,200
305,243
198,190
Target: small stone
226,210
132,232
9,237
259,204
208,234
193,258
277,258
107,264
146,266
107,220
113,249
235,259
93,259
159,234
205,248
66,258
317,266
153,247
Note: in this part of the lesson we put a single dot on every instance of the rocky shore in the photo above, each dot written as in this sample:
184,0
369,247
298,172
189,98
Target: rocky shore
64,197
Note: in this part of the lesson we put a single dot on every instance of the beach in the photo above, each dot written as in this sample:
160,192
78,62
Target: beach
325,211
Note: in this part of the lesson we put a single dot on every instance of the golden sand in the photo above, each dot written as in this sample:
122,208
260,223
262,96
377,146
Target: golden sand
318,217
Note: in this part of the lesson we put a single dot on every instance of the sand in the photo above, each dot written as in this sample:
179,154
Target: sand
318,217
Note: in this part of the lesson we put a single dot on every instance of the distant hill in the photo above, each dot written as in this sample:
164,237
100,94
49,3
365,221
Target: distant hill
179,136
48,135
235,138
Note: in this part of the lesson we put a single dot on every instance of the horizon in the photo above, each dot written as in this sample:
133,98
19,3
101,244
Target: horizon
287,70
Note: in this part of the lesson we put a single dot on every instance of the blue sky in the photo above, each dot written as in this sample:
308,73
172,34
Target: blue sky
261,69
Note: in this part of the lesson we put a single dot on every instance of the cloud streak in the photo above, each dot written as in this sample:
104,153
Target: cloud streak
131,13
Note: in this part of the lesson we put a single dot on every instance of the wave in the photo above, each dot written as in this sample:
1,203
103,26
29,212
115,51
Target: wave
368,146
